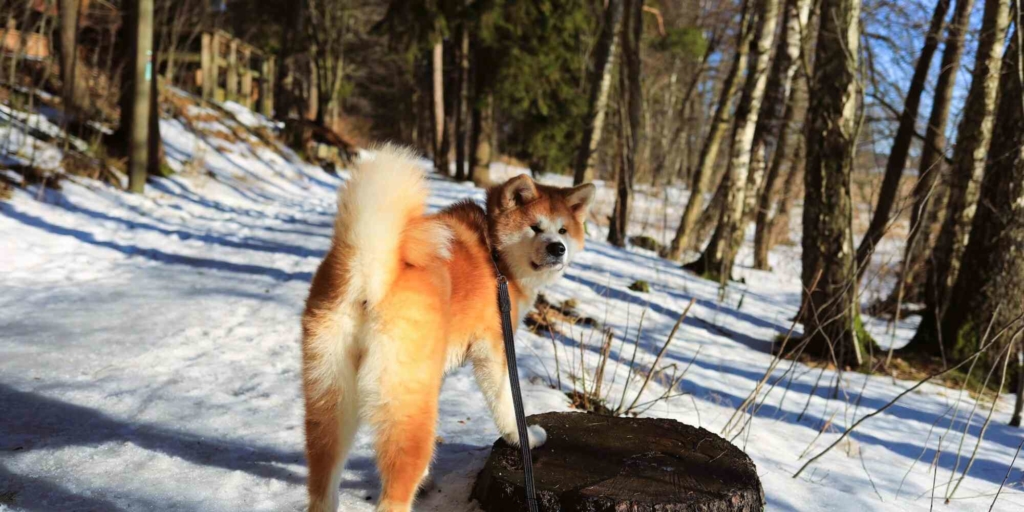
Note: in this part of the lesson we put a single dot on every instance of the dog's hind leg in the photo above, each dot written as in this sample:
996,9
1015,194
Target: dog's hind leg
332,419
400,381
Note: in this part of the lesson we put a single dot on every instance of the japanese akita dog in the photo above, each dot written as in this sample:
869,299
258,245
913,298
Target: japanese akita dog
403,297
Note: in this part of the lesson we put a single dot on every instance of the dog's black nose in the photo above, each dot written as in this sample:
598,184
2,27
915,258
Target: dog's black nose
556,249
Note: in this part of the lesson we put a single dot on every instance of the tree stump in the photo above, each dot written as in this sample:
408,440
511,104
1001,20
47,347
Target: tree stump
594,463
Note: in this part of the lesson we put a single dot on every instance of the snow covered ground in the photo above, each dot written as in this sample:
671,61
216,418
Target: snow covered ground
149,356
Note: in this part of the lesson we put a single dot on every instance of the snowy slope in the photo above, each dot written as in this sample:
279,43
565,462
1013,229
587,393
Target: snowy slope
149,355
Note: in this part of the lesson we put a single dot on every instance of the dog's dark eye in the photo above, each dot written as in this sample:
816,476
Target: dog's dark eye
562,231
536,228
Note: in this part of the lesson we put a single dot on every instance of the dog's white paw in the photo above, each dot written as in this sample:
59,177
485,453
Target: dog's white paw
536,434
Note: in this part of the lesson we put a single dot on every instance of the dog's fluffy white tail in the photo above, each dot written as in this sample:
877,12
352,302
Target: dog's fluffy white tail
384,197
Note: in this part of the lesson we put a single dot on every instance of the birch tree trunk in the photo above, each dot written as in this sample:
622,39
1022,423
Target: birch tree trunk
828,215
972,147
901,142
718,257
600,85
990,285
778,225
922,217
703,172
778,117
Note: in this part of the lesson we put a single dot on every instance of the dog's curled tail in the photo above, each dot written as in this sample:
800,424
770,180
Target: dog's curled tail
380,223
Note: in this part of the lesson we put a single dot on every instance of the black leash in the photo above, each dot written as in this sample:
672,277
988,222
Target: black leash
505,306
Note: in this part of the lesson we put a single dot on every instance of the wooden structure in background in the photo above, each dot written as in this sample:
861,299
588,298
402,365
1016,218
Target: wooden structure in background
29,45
21,34
232,70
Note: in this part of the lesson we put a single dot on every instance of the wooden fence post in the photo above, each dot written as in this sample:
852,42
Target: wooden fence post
206,63
215,62
246,70
231,91
267,94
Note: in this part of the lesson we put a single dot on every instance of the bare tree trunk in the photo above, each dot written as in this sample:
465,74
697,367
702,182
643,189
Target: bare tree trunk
600,85
425,107
708,220
327,27
312,90
678,146
483,152
712,143
119,142
830,324
901,142
171,50
73,85
440,121
632,28
155,149
990,285
778,117
142,66
718,258
925,215
973,138
1018,404
462,105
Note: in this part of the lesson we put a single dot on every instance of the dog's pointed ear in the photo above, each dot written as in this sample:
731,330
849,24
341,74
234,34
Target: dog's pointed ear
580,198
517,192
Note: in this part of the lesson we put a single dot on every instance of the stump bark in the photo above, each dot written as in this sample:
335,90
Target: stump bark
594,463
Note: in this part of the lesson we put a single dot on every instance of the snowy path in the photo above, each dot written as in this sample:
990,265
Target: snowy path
150,354
149,359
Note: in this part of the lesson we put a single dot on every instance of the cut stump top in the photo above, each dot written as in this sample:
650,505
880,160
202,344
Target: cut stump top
596,463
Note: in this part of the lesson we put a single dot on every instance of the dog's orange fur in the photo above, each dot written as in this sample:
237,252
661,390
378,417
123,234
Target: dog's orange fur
380,358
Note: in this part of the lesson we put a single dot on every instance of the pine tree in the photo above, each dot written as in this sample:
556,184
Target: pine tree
420,26
540,119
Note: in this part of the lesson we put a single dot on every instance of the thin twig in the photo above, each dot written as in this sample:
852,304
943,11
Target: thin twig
1008,470
988,419
924,449
872,482
905,393
629,374
935,475
661,353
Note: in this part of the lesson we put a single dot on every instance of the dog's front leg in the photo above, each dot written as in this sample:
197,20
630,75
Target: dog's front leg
489,366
